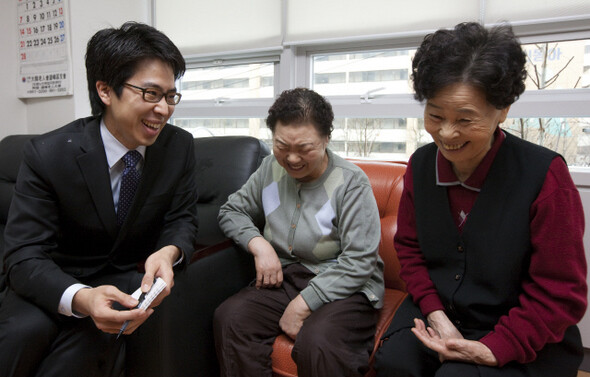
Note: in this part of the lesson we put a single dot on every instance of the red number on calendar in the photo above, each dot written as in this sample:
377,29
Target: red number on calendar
23,56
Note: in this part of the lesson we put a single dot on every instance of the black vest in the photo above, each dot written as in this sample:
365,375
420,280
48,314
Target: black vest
478,273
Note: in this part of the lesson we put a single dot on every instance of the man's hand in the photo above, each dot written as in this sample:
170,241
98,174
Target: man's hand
98,304
296,312
159,264
269,272
457,349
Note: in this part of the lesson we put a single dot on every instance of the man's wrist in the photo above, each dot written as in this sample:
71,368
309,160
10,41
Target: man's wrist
174,254
75,308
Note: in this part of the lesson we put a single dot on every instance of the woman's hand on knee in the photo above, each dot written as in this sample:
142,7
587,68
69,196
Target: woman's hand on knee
292,320
457,349
269,271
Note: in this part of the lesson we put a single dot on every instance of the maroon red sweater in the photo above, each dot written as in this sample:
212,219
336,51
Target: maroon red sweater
555,296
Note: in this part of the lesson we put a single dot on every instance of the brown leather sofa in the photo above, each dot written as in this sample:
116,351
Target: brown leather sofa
387,182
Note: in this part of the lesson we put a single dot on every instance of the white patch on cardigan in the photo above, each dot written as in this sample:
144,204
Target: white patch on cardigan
270,198
324,218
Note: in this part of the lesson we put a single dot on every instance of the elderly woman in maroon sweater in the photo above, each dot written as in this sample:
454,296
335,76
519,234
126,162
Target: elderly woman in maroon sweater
490,226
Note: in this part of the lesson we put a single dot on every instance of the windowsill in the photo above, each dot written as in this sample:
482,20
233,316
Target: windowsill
580,176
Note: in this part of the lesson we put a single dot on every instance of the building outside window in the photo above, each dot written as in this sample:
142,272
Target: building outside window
233,100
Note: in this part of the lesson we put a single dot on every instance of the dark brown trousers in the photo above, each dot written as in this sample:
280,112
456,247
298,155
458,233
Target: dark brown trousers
336,340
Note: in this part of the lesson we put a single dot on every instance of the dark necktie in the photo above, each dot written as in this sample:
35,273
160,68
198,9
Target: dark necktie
129,181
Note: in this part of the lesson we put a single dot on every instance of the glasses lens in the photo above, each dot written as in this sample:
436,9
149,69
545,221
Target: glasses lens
172,98
152,95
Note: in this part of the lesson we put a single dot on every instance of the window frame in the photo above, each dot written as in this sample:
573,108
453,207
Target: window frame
223,107
539,103
293,68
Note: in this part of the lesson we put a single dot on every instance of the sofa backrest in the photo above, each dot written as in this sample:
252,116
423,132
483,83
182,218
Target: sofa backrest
11,148
387,181
224,164
11,156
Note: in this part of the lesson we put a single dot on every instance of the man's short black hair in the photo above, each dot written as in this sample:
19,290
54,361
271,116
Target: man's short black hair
113,56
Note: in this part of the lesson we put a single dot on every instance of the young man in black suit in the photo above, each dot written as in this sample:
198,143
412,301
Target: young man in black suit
73,253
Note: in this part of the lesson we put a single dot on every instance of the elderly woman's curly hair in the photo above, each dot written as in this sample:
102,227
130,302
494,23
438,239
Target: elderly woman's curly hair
299,106
491,60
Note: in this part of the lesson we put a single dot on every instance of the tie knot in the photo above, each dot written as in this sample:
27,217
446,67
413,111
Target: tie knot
131,158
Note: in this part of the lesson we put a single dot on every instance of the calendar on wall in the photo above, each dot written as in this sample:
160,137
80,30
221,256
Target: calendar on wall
44,49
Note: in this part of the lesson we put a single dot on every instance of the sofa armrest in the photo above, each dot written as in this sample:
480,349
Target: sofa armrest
203,251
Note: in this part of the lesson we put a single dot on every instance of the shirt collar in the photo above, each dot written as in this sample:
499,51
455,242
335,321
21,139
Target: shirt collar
113,147
445,176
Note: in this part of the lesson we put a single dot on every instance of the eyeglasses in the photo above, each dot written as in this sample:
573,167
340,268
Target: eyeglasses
155,95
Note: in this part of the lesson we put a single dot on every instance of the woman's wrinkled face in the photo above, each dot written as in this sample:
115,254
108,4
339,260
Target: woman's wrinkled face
462,124
300,150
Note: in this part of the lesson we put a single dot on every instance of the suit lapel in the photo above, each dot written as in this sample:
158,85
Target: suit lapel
94,167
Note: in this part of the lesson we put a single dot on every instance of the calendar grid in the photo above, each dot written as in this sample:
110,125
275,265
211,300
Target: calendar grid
44,57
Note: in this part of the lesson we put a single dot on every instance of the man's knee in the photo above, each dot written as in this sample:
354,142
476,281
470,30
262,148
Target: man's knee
23,322
26,336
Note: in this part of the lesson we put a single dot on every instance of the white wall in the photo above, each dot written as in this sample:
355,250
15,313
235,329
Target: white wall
14,117
39,115
582,180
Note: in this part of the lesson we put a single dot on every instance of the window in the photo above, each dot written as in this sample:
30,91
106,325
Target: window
377,138
558,65
382,71
227,98
228,82
376,84
569,137
370,91
203,127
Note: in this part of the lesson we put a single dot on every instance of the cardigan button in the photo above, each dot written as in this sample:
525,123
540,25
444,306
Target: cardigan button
460,248
458,277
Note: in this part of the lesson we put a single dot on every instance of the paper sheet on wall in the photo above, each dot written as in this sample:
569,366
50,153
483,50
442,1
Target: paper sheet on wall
44,49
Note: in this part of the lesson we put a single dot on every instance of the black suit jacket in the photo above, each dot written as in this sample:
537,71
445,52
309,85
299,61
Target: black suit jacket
62,226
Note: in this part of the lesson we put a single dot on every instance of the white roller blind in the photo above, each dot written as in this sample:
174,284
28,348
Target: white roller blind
532,11
321,21
209,27
217,27
314,20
